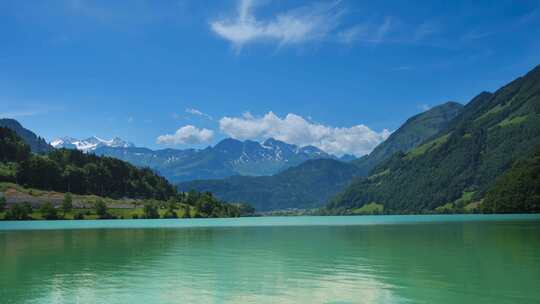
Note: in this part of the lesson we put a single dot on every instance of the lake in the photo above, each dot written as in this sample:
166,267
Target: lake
364,259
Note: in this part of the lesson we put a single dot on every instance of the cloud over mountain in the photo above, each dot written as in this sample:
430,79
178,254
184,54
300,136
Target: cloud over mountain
294,129
188,134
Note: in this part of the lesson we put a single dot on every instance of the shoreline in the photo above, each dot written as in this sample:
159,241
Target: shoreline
2,220
277,222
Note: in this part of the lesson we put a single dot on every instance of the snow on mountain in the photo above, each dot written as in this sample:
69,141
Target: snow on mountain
90,144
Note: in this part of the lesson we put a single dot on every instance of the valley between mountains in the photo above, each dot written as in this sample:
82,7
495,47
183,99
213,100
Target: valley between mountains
477,157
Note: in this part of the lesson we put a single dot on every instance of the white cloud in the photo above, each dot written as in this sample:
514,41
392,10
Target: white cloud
317,21
367,33
424,107
294,129
187,135
198,113
289,27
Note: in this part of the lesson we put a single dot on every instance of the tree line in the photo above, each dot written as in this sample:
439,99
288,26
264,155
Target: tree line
518,190
463,161
186,205
72,171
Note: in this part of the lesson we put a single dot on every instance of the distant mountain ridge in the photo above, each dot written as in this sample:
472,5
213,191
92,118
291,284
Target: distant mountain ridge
227,158
37,144
89,144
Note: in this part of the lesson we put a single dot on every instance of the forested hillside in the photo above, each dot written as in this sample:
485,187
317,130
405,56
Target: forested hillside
312,183
308,185
412,133
12,148
76,172
518,190
456,168
37,144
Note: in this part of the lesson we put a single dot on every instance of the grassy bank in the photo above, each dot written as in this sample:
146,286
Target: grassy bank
116,213
19,203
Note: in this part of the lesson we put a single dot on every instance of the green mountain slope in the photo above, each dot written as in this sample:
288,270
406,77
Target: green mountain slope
308,185
312,183
518,190
37,144
463,161
413,132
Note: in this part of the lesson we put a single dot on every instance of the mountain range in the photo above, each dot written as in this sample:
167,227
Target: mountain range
454,170
312,183
474,158
89,144
227,158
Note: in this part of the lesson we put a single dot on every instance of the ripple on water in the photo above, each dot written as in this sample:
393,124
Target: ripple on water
301,261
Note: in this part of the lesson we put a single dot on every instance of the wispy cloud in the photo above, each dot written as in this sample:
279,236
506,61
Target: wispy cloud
475,34
506,26
321,21
370,33
198,113
16,114
290,27
294,129
531,16
388,30
24,108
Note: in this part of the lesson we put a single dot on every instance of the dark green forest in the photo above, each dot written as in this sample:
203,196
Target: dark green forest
308,185
455,169
412,133
518,190
12,148
312,183
37,144
72,171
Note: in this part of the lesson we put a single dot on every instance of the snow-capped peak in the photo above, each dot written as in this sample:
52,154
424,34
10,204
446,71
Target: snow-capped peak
89,144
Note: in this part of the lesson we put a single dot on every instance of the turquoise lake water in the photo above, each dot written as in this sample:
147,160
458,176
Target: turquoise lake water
364,259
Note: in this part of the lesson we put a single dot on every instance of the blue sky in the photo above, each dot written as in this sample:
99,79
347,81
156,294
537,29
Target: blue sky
336,74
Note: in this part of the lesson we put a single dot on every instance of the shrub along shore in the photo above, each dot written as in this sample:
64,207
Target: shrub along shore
71,207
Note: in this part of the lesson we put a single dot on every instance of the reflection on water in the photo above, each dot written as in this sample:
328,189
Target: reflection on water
452,262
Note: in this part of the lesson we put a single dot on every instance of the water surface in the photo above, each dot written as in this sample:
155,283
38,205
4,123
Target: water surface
369,259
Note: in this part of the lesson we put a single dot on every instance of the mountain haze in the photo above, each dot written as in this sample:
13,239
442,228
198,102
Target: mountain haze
308,185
